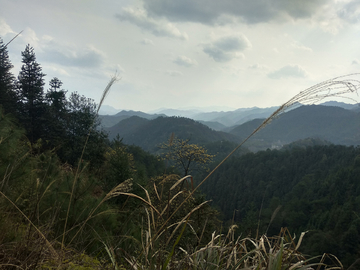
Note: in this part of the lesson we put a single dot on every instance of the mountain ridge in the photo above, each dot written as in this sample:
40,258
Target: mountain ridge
321,122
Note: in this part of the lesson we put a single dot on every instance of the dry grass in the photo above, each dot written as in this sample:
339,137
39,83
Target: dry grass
270,257
336,87
105,93
158,251
31,247
162,232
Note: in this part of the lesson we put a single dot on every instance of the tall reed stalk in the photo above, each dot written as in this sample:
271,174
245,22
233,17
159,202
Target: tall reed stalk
337,87
105,93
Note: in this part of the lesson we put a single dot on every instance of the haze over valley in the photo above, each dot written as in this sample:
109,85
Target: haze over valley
330,122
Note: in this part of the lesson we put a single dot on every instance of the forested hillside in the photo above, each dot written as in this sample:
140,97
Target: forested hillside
325,123
148,134
74,197
302,188
68,194
328,123
111,120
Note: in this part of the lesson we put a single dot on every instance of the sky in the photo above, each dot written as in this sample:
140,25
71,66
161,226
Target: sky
209,54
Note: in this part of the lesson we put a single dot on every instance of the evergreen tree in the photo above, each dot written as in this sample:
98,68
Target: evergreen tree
7,94
56,97
57,112
31,94
81,118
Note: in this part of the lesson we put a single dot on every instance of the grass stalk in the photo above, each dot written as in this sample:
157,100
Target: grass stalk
51,248
336,87
105,93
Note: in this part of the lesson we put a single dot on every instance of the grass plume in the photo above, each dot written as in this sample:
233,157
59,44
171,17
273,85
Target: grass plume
336,87
105,93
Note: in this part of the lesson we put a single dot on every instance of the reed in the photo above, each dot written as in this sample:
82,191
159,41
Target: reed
336,87
105,93
272,256
168,212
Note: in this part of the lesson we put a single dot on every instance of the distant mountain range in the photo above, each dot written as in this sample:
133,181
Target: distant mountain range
108,110
333,122
111,120
328,123
217,120
149,134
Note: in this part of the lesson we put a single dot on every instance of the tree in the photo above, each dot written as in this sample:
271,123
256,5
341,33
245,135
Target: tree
8,97
56,97
186,157
119,166
31,94
56,116
82,118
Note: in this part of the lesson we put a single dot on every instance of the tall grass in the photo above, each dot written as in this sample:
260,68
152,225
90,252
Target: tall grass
105,93
168,214
36,192
336,87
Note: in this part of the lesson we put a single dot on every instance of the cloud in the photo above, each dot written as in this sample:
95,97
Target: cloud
355,62
258,67
139,18
30,37
211,11
227,48
288,71
185,61
173,73
147,41
5,28
67,55
50,50
301,47
350,12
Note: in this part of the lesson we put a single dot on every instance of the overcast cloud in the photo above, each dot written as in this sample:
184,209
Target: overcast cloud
88,57
350,12
187,53
226,48
5,28
254,11
184,61
158,28
288,71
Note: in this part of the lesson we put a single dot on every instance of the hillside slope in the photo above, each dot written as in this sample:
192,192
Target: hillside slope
111,120
333,124
148,134
313,188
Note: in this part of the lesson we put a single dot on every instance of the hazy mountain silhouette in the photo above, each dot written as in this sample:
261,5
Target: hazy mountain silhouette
111,120
148,134
325,123
333,124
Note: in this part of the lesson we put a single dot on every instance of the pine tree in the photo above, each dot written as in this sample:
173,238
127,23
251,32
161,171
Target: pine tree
8,97
56,115
31,94
56,97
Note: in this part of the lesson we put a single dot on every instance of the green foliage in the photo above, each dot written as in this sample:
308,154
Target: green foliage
81,121
316,188
53,216
31,95
324,123
39,185
8,98
149,134
119,165
56,115
186,157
